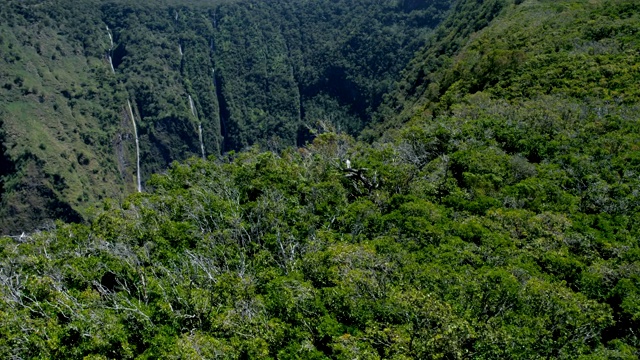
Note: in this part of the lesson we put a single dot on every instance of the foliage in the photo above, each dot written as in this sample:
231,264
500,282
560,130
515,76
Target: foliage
450,242
499,221
257,72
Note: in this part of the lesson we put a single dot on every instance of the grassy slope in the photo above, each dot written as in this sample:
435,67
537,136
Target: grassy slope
49,120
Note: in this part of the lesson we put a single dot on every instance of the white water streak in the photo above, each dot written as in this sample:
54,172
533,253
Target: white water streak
193,110
201,142
180,49
110,38
111,63
110,49
135,132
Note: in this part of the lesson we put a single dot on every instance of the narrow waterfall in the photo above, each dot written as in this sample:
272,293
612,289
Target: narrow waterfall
135,133
111,63
195,115
193,110
113,70
201,142
180,49
110,38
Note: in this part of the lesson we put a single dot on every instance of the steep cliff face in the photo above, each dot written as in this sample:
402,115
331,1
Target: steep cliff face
257,73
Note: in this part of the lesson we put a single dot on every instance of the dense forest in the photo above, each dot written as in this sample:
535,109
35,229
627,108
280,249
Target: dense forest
479,199
194,78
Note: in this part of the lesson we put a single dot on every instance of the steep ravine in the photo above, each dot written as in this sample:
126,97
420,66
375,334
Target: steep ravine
223,113
280,67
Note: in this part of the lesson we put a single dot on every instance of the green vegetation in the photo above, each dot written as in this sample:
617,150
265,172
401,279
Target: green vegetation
258,72
583,50
491,213
414,252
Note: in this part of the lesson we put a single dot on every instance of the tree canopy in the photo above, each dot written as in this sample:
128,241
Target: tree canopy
490,211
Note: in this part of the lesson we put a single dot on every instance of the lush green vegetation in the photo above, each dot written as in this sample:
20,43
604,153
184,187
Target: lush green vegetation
586,51
493,212
258,72
440,245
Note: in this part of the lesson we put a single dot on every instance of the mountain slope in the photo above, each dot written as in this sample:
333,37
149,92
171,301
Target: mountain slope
580,50
202,78
494,223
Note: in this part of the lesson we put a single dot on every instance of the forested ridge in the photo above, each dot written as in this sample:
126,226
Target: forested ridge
488,209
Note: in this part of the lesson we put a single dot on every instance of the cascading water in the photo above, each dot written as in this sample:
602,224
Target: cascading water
193,112
111,63
135,133
110,38
113,70
201,142
180,49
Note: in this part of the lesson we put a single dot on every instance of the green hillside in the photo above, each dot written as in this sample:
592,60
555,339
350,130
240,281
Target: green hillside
486,207
586,51
256,72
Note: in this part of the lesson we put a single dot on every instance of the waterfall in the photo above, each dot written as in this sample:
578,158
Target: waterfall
193,110
110,38
201,142
111,63
135,133
180,49
110,49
